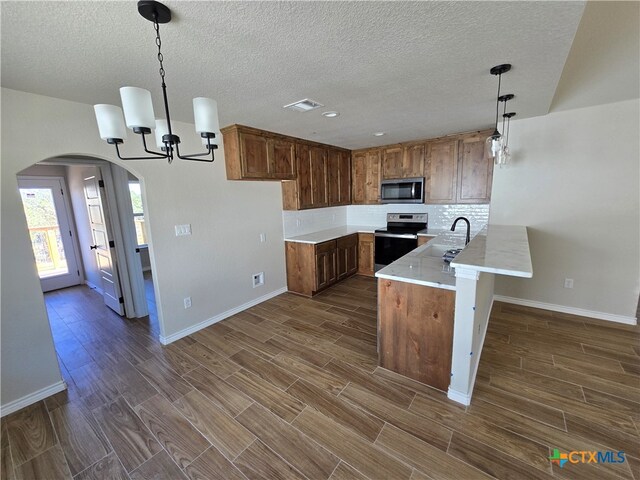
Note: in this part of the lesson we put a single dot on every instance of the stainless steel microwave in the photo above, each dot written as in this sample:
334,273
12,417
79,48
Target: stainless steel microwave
402,190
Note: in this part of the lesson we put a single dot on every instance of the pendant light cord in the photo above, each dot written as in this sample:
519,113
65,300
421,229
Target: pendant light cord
498,101
168,146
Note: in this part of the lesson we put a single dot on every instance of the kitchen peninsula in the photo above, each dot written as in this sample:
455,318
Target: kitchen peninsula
431,324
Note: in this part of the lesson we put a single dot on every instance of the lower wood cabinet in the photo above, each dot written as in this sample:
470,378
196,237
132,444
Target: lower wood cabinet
312,268
366,245
415,331
347,255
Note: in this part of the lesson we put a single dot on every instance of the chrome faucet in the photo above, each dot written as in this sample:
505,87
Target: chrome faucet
453,228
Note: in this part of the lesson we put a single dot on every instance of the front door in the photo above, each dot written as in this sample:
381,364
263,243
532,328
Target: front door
50,232
103,248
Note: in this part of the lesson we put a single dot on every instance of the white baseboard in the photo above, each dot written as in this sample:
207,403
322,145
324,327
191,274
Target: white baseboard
93,287
199,326
32,398
611,317
459,397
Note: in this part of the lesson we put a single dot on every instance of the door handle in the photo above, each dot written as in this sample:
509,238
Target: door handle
93,247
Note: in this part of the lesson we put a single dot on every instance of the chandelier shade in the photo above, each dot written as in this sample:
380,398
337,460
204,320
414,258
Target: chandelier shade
138,108
110,122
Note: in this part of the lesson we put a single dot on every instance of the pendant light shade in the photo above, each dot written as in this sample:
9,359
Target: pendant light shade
137,106
162,129
205,113
110,122
138,109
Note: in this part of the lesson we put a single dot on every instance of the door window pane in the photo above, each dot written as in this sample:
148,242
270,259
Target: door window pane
44,231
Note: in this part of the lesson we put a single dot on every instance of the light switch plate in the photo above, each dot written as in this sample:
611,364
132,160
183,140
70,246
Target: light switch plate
183,230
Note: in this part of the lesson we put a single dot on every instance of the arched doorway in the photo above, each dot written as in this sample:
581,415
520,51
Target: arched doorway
105,209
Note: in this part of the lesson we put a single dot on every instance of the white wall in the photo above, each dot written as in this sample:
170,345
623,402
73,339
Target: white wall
575,182
75,179
214,265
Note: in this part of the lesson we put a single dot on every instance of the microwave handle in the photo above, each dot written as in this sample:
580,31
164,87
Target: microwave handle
413,189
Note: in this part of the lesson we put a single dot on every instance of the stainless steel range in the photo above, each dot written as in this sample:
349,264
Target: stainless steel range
399,238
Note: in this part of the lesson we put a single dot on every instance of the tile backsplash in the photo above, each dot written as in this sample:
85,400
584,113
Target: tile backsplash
440,216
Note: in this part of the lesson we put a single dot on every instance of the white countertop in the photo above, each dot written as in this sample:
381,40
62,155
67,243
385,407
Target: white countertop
501,249
422,268
331,234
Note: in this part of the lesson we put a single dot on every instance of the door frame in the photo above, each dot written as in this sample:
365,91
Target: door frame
124,236
68,213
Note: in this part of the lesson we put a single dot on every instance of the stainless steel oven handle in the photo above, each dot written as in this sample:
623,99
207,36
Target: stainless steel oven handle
396,235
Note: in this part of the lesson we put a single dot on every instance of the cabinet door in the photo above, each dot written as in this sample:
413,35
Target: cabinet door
475,172
318,161
325,264
282,155
347,255
413,161
254,155
392,163
338,177
365,182
305,197
344,178
441,172
365,254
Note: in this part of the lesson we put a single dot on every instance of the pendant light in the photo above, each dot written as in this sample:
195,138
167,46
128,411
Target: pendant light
138,109
507,152
504,157
494,145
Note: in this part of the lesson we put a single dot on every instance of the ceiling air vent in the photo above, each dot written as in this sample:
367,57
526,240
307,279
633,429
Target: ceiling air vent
304,105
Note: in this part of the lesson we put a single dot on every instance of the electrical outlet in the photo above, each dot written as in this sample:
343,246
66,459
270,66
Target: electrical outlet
258,279
187,302
568,283
263,237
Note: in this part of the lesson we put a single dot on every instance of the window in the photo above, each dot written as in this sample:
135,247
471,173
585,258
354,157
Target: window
138,213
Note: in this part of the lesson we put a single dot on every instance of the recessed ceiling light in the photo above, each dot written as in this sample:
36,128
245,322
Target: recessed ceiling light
330,114
304,105
378,134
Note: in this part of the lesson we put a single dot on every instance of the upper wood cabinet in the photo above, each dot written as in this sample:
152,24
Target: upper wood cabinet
400,161
339,177
475,171
323,178
456,170
365,181
441,172
252,154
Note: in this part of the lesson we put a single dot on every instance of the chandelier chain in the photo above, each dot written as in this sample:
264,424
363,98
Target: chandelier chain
156,25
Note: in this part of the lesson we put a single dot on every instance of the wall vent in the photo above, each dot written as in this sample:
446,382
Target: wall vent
304,105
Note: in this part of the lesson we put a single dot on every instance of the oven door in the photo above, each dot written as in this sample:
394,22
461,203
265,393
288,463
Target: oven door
389,247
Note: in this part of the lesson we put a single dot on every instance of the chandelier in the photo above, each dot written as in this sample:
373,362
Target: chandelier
139,115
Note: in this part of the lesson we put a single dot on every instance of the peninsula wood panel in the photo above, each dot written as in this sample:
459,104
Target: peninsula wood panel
366,245
441,172
415,331
301,258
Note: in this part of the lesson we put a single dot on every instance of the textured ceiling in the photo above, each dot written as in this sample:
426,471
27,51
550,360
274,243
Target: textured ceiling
411,69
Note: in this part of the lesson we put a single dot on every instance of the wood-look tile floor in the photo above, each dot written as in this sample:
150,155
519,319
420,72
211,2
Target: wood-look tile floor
290,389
